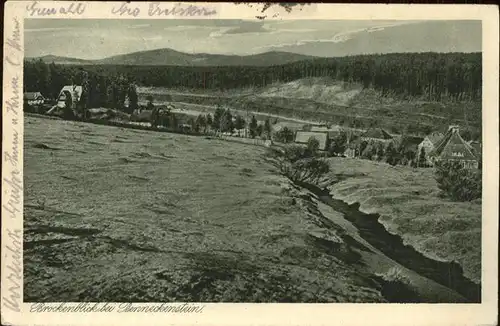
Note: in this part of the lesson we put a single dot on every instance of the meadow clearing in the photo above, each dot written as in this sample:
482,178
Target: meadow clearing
115,214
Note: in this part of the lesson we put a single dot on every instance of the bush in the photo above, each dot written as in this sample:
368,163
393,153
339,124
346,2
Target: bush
285,135
312,146
298,164
458,183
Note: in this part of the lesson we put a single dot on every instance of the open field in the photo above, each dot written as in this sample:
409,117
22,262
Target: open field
409,205
125,215
115,214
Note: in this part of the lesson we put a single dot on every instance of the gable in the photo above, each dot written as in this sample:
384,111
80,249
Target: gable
72,89
30,96
453,147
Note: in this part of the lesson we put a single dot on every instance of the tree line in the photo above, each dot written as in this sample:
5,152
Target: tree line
222,121
99,89
433,76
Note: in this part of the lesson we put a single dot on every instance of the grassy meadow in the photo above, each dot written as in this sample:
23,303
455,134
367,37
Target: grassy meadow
116,214
409,205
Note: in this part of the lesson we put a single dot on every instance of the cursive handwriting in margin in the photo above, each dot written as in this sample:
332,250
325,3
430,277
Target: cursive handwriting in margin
159,9
12,179
71,8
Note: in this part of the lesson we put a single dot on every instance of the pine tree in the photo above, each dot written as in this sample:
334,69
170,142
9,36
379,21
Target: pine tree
133,98
253,127
216,123
267,128
422,158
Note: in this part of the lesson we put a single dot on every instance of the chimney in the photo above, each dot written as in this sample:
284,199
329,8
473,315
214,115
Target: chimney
454,129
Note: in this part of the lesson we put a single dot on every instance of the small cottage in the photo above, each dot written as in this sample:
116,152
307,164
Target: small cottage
452,147
69,94
33,98
332,131
302,137
429,143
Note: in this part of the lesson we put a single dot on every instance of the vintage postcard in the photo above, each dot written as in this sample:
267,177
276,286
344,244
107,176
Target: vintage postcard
249,164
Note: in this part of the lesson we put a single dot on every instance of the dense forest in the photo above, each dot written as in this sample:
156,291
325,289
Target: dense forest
100,89
433,76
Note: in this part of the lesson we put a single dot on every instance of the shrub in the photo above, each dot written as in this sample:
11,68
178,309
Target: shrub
312,146
285,135
298,164
458,183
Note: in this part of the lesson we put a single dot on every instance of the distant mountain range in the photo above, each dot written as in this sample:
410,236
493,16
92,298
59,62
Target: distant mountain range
428,36
169,57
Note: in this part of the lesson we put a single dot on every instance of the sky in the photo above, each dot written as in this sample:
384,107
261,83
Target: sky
99,38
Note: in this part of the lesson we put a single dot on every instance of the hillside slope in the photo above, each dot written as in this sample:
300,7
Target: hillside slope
169,57
327,100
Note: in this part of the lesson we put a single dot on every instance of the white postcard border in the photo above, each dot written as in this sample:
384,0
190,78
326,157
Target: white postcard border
254,314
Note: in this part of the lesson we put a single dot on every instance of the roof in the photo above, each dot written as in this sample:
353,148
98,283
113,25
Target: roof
302,137
72,89
476,148
410,142
452,146
281,125
33,96
435,137
326,129
377,133
332,132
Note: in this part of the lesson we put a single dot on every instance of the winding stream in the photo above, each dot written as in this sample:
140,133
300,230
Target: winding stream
448,274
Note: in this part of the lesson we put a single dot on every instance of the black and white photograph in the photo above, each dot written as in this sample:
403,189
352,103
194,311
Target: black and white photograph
252,161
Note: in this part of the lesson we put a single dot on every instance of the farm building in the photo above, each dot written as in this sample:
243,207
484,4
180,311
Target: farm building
277,127
452,147
69,94
429,142
33,98
332,131
302,137
377,134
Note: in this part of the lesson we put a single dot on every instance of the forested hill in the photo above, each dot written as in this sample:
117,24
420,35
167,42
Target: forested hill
431,76
169,57
414,92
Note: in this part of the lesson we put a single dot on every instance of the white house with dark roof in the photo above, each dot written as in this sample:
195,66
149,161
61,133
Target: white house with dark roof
69,94
33,98
452,147
429,143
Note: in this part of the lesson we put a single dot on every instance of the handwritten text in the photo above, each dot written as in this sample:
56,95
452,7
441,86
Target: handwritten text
73,8
157,9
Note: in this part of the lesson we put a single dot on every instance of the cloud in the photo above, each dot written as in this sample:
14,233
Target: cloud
339,37
247,27
46,29
182,28
153,38
139,26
